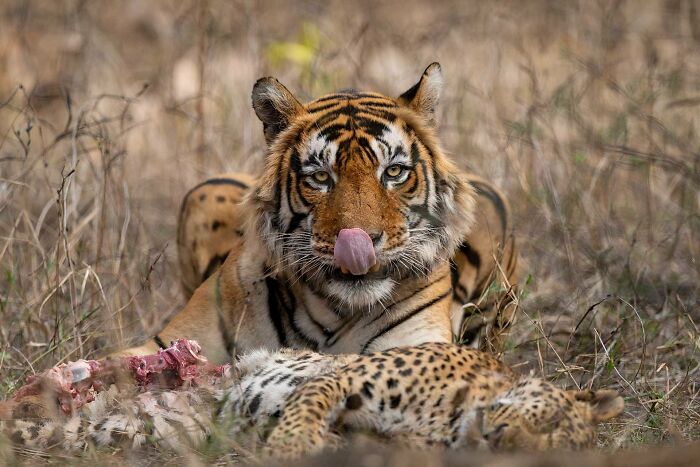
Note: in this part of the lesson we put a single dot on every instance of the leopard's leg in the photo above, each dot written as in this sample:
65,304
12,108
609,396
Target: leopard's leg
484,273
309,415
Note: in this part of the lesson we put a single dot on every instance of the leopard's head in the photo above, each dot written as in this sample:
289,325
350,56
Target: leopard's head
537,415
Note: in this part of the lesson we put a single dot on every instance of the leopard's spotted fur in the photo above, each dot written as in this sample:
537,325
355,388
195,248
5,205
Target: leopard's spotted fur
431,394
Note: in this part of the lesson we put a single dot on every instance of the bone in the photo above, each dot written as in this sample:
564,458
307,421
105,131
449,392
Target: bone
74,384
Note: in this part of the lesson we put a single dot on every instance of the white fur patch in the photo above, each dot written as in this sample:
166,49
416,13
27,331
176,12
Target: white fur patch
370,293
326,150
253,360
391,139
394,137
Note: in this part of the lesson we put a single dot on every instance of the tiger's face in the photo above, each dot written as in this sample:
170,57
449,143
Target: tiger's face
357,195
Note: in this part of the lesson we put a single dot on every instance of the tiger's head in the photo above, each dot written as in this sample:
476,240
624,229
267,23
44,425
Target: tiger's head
357,193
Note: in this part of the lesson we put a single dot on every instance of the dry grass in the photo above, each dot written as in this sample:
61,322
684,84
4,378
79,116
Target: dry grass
587,113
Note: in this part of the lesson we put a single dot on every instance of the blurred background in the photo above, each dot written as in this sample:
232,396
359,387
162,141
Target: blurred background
586,113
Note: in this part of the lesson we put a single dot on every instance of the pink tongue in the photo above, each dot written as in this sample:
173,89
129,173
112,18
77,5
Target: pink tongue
354,251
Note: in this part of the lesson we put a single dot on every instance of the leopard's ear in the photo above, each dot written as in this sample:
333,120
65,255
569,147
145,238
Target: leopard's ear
275,106
605,404
424,96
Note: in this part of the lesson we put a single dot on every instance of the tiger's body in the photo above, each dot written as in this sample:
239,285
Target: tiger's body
359,236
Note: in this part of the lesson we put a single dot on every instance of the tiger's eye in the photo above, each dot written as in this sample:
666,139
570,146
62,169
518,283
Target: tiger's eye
394,170
321,176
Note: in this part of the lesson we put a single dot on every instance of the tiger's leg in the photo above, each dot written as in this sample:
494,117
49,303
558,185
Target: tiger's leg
484,273
210,226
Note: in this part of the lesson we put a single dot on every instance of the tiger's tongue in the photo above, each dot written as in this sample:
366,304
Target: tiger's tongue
354,252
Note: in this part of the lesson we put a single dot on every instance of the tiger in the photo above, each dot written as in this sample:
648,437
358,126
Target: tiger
360,235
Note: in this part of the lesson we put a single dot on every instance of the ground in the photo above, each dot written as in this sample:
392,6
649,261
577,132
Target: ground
584,113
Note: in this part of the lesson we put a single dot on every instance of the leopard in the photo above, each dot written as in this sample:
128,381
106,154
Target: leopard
300,402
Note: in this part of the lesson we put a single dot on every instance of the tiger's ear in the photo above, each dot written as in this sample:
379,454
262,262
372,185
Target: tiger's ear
275,106
424,96
605,404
